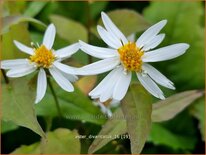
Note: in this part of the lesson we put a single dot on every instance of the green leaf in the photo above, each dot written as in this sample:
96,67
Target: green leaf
128,21
9,21
60,141
158,115
30,149
74,106
198,110
137,109
113,127
169,138
34,8
10,50
169,108
18,105
68,29
7,126
180,22
97,7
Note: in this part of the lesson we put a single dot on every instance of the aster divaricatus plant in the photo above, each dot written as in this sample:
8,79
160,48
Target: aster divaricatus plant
124,57
43,58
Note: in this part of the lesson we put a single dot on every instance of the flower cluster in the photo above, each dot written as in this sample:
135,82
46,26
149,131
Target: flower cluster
122,57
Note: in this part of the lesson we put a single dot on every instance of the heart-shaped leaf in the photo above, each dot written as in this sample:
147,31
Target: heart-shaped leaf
180,101
137,109
18,105
60,141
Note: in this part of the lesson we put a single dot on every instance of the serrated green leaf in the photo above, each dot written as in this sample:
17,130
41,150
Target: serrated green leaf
198,110
128,21
137,109
169,108
182,26
113,127
34,8
69,29
18,105
60,141
74,106
184,99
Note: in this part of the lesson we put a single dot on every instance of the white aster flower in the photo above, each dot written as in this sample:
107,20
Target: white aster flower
41,58
124,56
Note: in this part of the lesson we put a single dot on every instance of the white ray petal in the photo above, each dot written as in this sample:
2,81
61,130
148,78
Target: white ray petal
114,103
41,85
24,48
21,71
8,64
131,37
110,79
165,53
67,51
157,76
70,77
64,68
154,42
98,52
150,33
111,27
107,38
49,36
122,86
150,86
63,82
109,86
98,67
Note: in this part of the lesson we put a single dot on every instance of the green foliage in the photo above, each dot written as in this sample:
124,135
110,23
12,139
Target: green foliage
162,136
137,109
177,132
161,111
169,108
18,105
9,21
183,26
60,141
198,110
113,127
7,126
75,106
68,29
128,21
10,50
34,8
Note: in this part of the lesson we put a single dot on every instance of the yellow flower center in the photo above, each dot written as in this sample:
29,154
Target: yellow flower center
43,57
130,56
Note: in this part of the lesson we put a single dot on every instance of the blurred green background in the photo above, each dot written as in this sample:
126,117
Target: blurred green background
24,21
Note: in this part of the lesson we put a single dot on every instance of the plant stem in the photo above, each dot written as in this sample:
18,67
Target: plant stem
89,25
55,97
5,77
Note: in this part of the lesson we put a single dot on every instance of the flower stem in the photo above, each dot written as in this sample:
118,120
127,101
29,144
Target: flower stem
5,77
55,97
